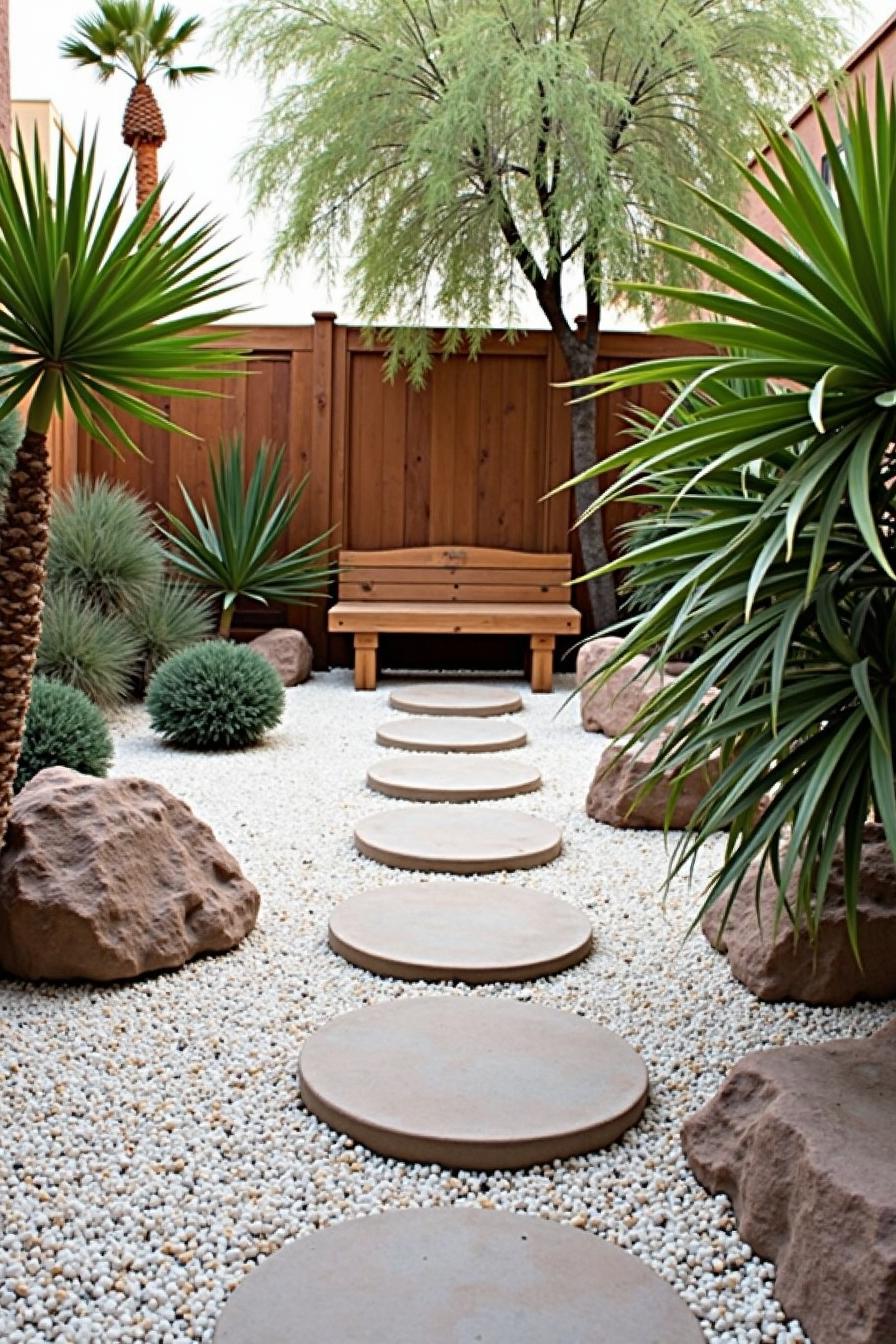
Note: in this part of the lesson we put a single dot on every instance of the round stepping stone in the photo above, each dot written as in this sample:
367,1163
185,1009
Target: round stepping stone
450,698
448,840
476,1083
478,932
452,779
435,734
451,1276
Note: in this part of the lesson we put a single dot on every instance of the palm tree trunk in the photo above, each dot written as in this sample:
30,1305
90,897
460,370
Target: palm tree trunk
23,565
146,159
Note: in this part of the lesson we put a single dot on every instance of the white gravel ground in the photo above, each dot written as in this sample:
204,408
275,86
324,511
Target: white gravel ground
154,1148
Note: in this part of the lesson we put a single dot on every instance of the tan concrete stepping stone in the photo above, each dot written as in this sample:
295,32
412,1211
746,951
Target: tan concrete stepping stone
456,697
472,1082
451,1276
452,779
436,839
478,932
440,734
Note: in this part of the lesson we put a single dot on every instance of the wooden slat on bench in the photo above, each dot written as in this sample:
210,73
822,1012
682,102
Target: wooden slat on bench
509,618
384,591
468,557
451,574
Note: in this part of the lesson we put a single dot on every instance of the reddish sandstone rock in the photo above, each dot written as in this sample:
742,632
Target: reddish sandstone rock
777,964
613,796
104,879
803,1141
288,652
610,708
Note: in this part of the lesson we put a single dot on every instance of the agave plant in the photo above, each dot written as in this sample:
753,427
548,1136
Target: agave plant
796,576
98,316
234,553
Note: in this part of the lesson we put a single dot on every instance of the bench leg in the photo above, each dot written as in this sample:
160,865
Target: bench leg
542,674
365,662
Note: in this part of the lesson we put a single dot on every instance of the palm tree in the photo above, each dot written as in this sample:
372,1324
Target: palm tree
97,315
138,39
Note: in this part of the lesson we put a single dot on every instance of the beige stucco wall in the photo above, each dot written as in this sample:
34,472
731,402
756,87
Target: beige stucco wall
861,68
4,75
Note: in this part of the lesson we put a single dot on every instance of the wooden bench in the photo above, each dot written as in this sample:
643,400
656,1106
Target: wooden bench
463,590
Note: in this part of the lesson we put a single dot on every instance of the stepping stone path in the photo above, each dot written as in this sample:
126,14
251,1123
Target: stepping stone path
452,779
478,932
451,1276
477,1083
434,734
460,697
446,839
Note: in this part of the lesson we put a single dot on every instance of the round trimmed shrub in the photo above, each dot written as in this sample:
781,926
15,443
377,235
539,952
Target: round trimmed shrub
62,727
215,697
103,545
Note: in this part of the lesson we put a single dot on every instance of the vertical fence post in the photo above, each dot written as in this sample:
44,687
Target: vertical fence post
321,456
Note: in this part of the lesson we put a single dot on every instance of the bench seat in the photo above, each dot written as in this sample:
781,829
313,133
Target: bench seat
457,590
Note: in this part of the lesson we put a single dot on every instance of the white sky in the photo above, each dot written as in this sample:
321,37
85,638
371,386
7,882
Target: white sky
207,123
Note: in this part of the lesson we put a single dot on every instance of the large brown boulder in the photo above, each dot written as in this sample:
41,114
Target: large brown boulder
104,879
613,796
777,963
288,652
610,708
803,1141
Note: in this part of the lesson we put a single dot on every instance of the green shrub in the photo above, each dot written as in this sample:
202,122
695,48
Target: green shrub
87,648
62,728
167,619
215,697
103,545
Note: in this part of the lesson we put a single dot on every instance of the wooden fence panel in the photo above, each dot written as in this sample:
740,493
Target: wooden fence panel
467,459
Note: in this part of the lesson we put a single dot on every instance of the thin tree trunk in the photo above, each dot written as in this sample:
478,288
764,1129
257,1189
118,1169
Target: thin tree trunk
23,565
146,159
580,358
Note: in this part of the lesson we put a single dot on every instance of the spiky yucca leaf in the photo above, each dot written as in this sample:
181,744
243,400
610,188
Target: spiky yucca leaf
100,313
794,578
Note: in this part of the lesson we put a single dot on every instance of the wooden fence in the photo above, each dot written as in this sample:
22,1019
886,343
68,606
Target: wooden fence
466,460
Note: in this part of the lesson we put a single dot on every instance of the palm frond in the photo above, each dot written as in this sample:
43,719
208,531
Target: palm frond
99,311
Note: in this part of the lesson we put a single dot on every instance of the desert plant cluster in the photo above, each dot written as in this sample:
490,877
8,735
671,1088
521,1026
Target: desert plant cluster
665,1017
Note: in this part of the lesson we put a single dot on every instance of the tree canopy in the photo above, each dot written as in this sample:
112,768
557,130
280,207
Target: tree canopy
458,151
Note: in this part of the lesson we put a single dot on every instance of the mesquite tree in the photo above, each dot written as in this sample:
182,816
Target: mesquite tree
465,152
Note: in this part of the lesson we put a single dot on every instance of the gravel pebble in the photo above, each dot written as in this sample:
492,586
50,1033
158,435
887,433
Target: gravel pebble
155,1147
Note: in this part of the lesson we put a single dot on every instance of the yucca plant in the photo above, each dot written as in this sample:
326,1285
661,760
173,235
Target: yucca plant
98,316
233,553
795,576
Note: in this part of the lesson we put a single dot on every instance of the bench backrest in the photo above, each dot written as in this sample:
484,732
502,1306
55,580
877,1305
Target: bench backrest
453,574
